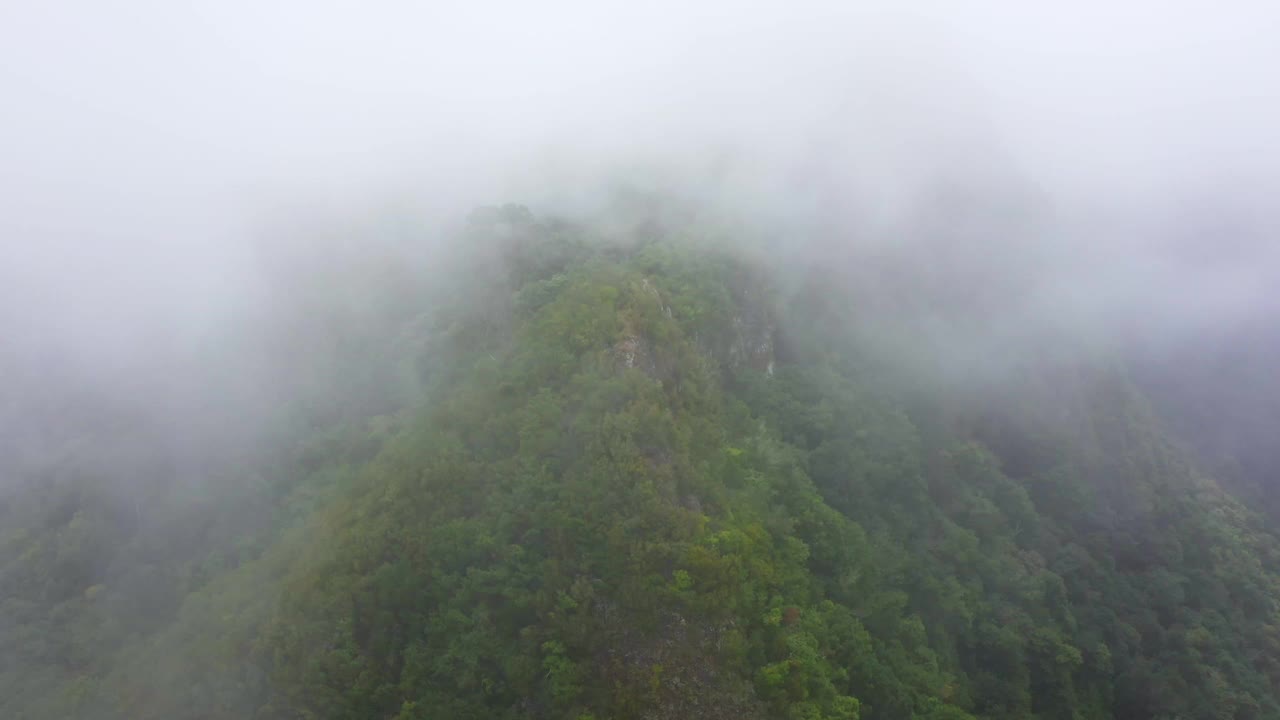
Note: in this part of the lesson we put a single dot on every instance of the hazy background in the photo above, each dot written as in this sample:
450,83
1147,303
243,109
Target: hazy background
224,226
167,170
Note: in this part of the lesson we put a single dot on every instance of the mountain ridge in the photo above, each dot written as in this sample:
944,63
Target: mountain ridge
634,477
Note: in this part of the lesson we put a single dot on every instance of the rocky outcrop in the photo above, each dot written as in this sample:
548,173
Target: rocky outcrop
746,341
752,344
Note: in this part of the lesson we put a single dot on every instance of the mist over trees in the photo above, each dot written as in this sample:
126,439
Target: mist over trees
820,361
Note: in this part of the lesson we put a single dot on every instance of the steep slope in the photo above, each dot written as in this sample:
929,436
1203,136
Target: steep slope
645,482
629,507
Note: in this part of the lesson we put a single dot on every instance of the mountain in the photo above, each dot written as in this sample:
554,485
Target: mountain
629,470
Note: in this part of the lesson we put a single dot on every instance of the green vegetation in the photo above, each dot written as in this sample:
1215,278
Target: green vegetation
633,478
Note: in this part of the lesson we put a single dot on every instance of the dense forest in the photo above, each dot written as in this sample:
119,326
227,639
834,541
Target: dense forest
645,468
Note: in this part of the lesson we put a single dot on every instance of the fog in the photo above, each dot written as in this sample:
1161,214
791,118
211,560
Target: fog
1117,162
223,226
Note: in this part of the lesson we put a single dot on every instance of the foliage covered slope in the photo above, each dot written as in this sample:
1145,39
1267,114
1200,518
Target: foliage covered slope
643,481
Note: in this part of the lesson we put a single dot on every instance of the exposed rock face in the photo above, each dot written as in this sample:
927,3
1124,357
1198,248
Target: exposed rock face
634,351
753,329
752,344
747,341
627,349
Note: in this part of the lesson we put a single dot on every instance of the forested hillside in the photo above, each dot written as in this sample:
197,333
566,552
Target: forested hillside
632,469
